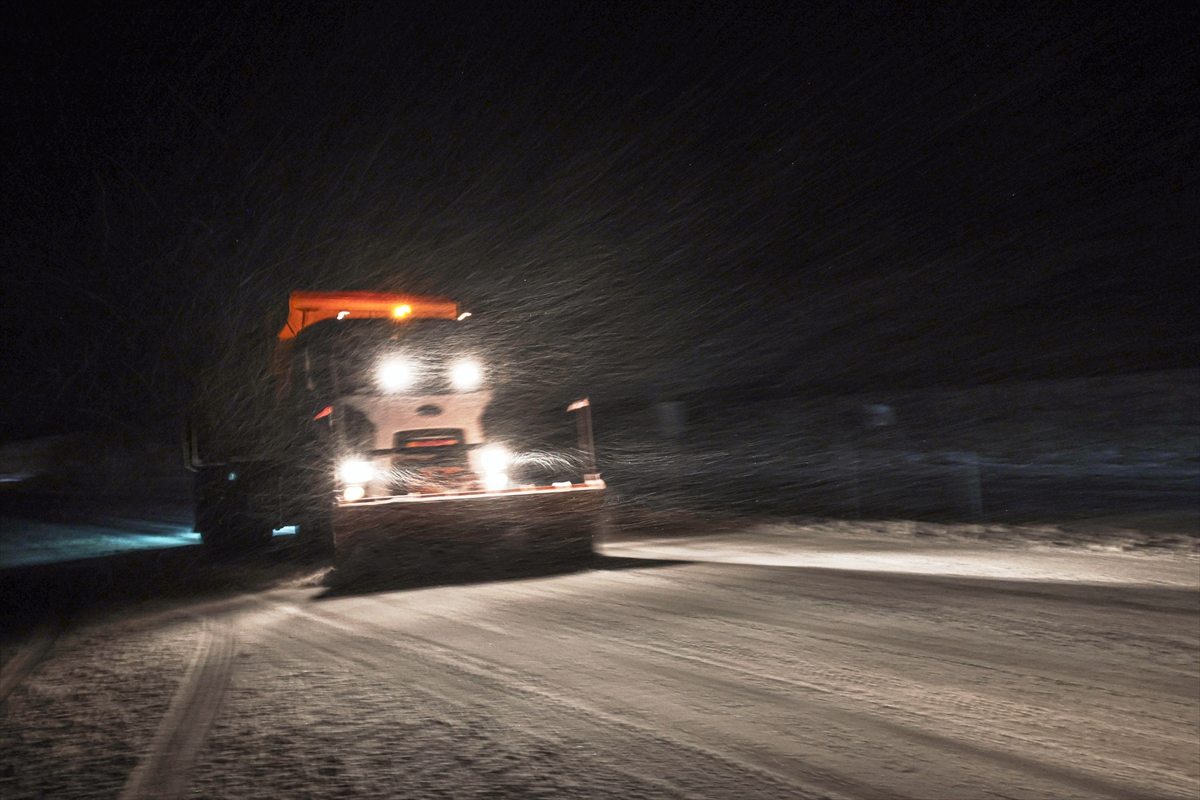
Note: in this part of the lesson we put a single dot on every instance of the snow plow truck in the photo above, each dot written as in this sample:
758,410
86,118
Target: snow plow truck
374,440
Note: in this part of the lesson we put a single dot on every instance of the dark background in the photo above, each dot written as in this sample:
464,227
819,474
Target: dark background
645,204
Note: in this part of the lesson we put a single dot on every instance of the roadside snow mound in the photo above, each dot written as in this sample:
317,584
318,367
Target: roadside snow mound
1113,534
1175,533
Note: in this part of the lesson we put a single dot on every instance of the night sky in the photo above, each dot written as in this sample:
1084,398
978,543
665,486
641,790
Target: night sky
803,198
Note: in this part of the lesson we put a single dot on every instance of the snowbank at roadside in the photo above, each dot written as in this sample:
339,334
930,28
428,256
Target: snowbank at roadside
1177,533
1148,552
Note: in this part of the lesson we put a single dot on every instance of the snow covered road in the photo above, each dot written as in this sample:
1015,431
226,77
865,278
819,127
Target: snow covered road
744,667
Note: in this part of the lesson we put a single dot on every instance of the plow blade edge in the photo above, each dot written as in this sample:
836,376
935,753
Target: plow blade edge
561,521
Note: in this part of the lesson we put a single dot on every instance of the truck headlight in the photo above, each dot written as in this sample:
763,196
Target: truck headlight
466,375
396,375
356,472
494,459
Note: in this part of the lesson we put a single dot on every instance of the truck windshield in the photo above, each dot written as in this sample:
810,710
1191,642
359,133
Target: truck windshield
338,358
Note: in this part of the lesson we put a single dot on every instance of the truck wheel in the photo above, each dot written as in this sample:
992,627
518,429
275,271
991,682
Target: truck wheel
314,534
230,539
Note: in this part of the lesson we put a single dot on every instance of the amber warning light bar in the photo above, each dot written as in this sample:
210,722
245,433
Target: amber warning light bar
308,308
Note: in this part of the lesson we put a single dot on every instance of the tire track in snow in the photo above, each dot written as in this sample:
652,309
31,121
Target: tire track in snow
162,773
1057,776
31,653
801,778
1017,763
45,636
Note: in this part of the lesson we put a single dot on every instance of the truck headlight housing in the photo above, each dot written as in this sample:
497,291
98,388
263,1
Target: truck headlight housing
356,472
396,375
494,459
466,376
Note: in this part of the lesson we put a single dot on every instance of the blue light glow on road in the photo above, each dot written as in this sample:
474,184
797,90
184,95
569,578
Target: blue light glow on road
24,542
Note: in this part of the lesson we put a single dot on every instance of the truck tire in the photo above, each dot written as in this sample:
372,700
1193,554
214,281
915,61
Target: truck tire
314,534
229,515
237,538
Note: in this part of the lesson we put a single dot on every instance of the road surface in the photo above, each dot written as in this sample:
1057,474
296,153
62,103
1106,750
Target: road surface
777,665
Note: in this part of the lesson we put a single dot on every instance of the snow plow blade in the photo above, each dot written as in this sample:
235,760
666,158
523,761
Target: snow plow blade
553,522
